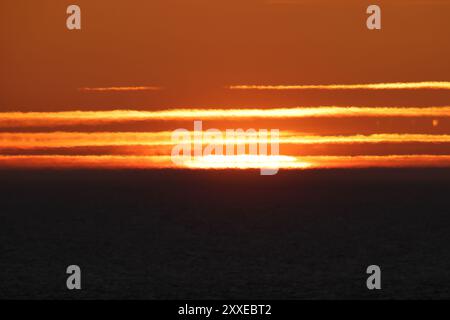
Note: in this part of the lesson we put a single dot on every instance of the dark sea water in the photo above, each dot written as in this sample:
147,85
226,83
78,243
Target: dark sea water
224,234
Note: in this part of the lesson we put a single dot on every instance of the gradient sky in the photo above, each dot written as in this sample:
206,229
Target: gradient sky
171,54
194,48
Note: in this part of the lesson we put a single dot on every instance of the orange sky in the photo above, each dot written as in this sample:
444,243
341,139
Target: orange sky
193,48
167,55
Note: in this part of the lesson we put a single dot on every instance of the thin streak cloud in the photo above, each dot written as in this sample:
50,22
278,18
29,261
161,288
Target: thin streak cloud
425,85
120,89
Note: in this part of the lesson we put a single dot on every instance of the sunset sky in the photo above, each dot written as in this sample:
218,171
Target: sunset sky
109,95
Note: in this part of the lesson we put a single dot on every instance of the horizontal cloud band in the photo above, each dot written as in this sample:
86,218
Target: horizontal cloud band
28,119
81,139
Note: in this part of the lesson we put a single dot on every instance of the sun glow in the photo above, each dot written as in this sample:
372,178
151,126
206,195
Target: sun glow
245,162
225,162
